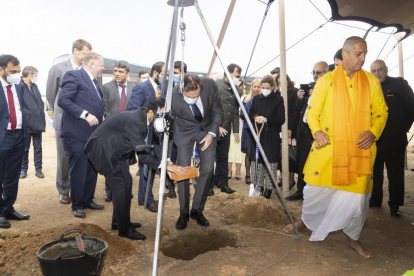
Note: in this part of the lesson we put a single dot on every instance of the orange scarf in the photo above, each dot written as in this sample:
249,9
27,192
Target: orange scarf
348,123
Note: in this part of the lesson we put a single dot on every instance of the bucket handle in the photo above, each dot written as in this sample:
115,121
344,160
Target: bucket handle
71,230
82,253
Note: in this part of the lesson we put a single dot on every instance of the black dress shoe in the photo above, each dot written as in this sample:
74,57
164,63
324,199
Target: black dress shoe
141,203
172,194
108,197
132,234
152,207
227,190
114,226
280,184
80,213
40,174
23,174
395,212
373,203
267,193
217,185
17,216
199,217
4,223
95,206
210,192
182,221
296,196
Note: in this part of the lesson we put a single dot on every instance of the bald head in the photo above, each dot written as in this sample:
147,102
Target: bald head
379,69
320,69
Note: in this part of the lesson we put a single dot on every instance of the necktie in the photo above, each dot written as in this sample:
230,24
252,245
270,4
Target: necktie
97,88
79,67
30,89
12,109
196,112
123,99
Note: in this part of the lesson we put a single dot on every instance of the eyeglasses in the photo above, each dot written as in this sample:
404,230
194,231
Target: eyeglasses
317,72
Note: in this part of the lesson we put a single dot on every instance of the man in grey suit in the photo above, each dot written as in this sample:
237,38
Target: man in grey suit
198,115
117,94
79,49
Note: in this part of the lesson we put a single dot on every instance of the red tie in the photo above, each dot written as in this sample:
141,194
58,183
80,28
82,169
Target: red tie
12,109
123,99
28,86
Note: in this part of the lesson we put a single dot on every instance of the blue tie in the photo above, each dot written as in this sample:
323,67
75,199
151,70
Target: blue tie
97,88
197,113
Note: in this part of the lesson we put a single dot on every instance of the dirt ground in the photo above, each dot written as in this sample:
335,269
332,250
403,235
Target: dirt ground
245,236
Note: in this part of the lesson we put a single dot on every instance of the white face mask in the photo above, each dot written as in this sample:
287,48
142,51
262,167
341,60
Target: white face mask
14,78
34,80
266,92
142,80
236,80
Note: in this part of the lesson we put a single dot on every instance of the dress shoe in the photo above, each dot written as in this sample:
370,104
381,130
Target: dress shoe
114,226
373,203
182,221
210,192
40,174
227,190
80,213
108,197
4,223
137,174
17,216
238,177
199,217
152,207
296,196
172,194
95,206
217,185
395,212
280,184
248,179
23,174
65,198
132,234
267,193
141,203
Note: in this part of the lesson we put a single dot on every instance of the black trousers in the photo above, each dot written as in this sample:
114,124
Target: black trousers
222,161
37,150
394,161
119,181
305,144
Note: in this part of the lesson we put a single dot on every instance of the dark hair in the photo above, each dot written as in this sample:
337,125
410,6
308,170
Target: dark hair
191,83
233,66
28,70
123,64
6,59
155,103
157,67
338,54
290,84
177,65
275,71
80,43
270,80
142,72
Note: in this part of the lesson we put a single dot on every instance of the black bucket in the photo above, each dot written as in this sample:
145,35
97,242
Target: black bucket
63,258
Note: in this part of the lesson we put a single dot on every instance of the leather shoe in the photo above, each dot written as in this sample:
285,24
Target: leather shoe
114,226
227,190
65,198
296,196
95,206
40,174
23,174
152,207
216,184
108,197
267,193
395,212
80,213
132,234
4,223
137,174
17,216
182,221
373,203
199,217
210,192
141,203
172,194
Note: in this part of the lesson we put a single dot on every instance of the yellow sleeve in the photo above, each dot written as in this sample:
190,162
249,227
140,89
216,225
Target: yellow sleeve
379,110
317,103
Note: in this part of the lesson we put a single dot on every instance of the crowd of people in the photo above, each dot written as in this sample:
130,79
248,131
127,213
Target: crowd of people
337,129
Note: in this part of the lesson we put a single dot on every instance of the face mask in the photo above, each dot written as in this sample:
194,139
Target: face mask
34,80
13,78
236,80
190,101
176,78
266,92
142,80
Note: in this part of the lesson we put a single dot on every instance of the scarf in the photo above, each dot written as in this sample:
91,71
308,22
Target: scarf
348,123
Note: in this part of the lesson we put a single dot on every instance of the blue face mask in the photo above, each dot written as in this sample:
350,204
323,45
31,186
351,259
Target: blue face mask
176,78
190,101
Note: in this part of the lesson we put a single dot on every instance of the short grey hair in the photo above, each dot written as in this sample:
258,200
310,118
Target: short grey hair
123,64
91,56
350,41
29,70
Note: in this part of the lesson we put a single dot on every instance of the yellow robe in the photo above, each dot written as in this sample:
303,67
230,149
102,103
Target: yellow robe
318,167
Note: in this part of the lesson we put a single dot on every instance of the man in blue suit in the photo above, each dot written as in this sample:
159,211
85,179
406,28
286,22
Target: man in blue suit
140,98
83,107
13,138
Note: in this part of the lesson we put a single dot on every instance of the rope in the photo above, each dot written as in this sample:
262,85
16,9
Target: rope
319,10
384,45
403,62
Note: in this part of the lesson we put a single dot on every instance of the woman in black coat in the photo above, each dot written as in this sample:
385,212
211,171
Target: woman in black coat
267,109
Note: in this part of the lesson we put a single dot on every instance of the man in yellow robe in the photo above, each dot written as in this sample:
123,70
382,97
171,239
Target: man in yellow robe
346,115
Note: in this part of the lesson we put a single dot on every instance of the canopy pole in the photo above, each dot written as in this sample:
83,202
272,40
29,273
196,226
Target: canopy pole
400,56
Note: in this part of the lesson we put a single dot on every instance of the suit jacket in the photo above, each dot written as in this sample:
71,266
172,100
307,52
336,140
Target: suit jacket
33,108
112,99
78,94
302,127
53,86
5,115
230,106
185,124
141,95
116,140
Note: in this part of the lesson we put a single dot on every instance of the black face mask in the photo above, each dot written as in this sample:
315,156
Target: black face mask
157,79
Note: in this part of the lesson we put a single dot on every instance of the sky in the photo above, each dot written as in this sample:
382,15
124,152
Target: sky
138,32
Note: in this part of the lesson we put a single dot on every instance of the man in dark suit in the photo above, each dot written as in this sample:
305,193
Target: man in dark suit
198,114
54,82
117,94
33,108
392,143
304,136
111,145
83,109
13,137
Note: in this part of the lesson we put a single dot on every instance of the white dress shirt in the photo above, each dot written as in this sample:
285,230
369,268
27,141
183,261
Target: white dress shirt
83,115
120,89
74,65
154,85
19,115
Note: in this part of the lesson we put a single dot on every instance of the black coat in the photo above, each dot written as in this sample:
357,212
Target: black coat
33,108
293,112
273,109
400,101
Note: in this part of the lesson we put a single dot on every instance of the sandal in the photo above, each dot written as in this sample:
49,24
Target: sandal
248,181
